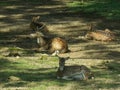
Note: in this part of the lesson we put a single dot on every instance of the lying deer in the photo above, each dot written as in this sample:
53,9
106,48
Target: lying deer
100,35
52,44
38,26
73,72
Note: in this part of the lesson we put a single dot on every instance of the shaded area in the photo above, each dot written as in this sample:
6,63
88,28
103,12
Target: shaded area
104,55
106,77
15,16
5,64
15,73
15,11
102,52
108,9
60,20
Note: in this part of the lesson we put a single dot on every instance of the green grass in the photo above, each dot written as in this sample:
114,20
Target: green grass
39,73
25,2
108,9
35,71
18,2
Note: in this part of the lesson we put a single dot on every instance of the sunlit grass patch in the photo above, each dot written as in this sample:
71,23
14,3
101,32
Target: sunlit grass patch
34,73
108,9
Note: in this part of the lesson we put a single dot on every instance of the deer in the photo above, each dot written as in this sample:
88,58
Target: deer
73,72
35,25
100,35
45,42
53,45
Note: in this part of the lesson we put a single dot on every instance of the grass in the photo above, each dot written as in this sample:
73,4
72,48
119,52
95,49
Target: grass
18,2
25,2
108,9
36,73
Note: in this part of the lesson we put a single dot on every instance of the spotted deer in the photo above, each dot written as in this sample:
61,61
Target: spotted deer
100,35
73,72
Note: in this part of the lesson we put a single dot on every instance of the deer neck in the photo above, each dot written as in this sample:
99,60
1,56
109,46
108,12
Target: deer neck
61,68
60,72
41,41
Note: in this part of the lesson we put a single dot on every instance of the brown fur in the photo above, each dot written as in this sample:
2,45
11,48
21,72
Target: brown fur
38,26
68,70
72,71
101,35
59,44
53,44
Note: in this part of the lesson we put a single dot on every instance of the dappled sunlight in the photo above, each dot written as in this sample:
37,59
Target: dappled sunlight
34,69
26,72
50,7
17,12
67,25
104,8
13,7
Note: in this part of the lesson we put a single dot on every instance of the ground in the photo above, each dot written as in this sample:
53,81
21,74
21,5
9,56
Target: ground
36,71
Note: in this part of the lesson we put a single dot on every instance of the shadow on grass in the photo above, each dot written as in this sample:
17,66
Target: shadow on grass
109,72
103,54
27,76
54,15
26,2
106,76
13,75
5,64
106,8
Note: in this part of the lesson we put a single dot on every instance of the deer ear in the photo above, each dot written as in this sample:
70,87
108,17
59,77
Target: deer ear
35,18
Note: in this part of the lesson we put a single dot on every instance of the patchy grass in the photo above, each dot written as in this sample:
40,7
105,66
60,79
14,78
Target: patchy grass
35,73
106,8
25,2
